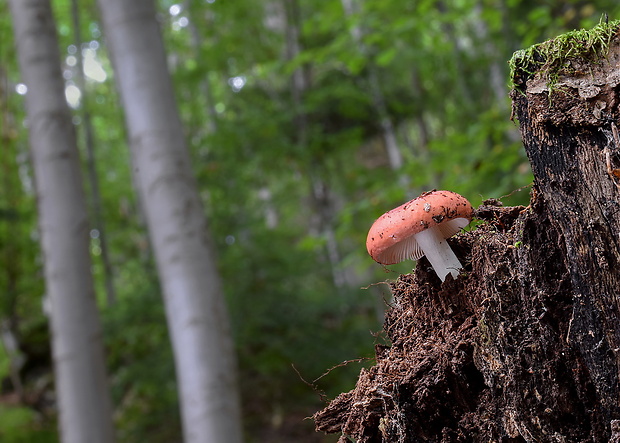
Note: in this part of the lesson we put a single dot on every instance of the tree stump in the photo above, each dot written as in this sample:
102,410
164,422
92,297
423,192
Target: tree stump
524,345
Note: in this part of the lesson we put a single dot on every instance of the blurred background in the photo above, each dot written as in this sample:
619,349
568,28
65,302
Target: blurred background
307,119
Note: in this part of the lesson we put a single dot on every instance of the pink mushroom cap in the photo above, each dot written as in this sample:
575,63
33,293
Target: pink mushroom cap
391,237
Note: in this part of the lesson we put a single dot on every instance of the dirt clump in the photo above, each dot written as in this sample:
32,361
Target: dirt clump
466,356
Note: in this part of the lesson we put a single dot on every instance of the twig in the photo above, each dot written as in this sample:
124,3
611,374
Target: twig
314,387
344,363
515,191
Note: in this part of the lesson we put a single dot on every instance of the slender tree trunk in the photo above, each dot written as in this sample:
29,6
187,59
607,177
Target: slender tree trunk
83,399
388,132
11,235
320,196
97,220
199,51
525,345
488,46
195,309
424,130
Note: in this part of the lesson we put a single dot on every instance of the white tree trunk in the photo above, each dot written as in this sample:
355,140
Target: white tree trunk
395,157
81,386
196,313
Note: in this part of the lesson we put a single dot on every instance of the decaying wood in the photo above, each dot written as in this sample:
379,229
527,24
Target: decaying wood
525,344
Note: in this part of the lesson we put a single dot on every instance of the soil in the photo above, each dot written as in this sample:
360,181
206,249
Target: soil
460,365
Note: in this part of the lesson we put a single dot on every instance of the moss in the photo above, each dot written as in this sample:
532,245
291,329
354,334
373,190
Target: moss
552,58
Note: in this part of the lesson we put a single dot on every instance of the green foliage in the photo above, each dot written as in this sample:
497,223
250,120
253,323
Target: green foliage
20,425
140,361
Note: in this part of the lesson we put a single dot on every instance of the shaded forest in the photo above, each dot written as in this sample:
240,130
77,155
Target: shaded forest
305,120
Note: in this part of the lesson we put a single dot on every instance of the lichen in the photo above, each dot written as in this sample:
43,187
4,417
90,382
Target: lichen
553,57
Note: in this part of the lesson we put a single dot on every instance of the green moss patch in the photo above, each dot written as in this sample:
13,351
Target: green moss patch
553,57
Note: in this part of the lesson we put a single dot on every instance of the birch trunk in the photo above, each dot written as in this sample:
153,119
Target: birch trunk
195,308
83,399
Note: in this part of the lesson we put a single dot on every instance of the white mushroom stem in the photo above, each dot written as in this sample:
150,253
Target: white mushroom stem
438,252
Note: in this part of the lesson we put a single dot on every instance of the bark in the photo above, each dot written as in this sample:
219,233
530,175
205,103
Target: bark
525,344
83,399
195,308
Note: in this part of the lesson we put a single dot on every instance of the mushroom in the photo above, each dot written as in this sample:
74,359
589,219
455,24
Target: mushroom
421,227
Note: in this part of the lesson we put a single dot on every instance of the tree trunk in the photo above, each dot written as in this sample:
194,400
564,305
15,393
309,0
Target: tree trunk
195,309
81,386
525,344
97,218
321,197
395,157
